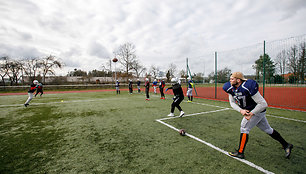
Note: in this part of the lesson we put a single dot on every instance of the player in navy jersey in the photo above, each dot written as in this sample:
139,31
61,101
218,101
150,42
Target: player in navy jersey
138,85
178,97
189,90
117,86
32,89
245,98
154,85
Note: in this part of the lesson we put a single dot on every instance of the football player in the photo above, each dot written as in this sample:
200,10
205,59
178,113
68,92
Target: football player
189,90
147,87
39,89
245,98
32,89
178,97
154,85
131,86
117,86
162,85
138,85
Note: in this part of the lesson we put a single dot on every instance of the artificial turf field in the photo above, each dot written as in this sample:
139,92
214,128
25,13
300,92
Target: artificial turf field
101,132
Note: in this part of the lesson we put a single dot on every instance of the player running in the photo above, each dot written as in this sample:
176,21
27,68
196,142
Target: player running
245,98
178,97
117,86
147,87
32,89
161,86
39,89
189,90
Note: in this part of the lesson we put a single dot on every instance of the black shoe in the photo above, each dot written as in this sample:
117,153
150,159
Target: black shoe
288,150
26,105
236,154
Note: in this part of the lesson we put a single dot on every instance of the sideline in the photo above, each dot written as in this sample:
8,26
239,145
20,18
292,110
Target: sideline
209,144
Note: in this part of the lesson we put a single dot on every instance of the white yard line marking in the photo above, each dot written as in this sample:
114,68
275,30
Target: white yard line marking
292,119
269,115
69,101
211,145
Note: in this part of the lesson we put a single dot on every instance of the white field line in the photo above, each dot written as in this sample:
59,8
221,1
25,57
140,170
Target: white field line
211,145
292,119
69,101
269,115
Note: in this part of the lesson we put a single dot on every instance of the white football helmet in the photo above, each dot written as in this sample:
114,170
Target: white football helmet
174,80
35,82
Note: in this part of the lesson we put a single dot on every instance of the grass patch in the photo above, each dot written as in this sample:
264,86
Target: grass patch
100,132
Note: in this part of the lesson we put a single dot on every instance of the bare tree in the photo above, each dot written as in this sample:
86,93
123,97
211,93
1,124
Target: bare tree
14,68
154,71
126,55
302,62
282,61
138,68
293,60
3,68
172,69
31,67
48,64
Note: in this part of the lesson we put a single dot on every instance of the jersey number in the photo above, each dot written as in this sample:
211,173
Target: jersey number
241,101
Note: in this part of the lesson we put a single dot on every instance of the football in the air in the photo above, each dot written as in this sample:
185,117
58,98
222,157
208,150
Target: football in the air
182,132
115,60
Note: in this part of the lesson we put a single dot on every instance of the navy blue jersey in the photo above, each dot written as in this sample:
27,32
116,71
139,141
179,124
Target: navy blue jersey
154,83
117,84
138,83
243,94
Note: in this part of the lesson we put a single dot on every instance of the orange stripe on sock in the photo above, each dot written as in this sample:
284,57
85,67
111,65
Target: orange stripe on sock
242,143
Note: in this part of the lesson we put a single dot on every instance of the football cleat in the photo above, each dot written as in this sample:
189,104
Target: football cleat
189,101
171,115
182,113
236,154
148,99
26,105
288,150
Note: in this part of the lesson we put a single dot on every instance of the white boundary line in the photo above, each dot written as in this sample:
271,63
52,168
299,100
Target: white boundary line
211,145
69,101
269,115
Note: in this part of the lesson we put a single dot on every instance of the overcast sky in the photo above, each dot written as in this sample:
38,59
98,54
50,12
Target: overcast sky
85,33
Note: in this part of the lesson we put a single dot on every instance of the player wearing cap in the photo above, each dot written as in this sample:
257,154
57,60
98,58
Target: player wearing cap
189,90
32,89
147,87
178,97
245,98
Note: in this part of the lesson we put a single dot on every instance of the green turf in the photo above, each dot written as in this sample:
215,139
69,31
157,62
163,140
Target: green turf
107,133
